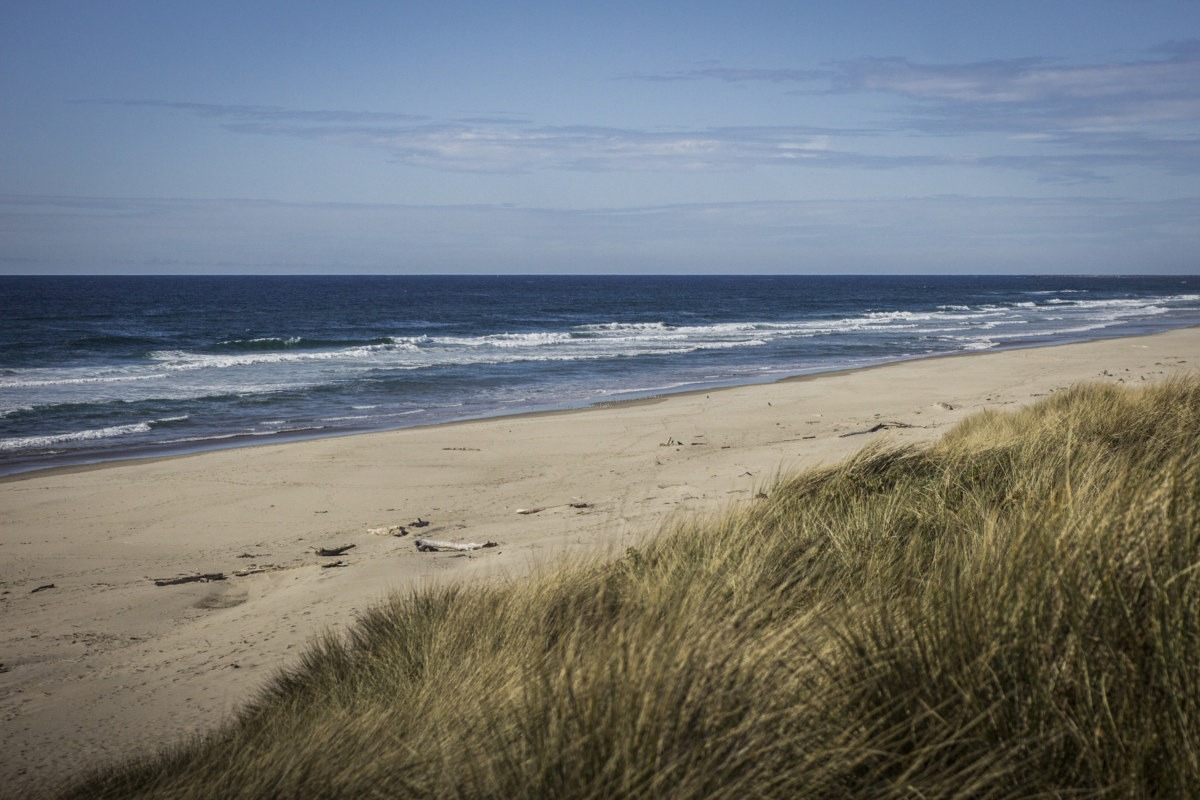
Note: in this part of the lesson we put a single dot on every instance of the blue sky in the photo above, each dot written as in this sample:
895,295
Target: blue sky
614,137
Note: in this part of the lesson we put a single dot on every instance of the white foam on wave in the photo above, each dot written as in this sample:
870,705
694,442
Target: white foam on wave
618,327
288,341
630,339
1134,305
32,442
244,435
1113,302
642,391
41,378
1083,328
362,417
183,360
180,360
582,343
16,443
617,339
582,351
504,340
977,344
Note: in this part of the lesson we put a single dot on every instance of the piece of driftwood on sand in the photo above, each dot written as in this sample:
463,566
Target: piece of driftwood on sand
434,545
208,576
539,509
332,551
389,530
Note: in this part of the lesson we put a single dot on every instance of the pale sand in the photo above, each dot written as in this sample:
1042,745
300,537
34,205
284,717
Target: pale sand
107,664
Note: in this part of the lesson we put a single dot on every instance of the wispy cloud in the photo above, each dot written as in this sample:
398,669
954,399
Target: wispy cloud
732,75
256,113
1154,86
1061,122
508,143
1033,97
1162,87
490,148
1086,117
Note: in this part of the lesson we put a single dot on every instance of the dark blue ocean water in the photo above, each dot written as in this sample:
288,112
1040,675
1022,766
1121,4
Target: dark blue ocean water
97,368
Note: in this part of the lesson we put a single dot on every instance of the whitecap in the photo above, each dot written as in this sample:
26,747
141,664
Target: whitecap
31,442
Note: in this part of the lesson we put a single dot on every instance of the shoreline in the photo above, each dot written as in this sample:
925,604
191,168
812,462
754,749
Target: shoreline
153,452
106,664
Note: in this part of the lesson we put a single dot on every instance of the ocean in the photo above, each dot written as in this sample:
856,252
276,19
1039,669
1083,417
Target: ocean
103,368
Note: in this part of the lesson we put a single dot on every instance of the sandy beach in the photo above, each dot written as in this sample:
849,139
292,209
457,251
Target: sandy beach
99,662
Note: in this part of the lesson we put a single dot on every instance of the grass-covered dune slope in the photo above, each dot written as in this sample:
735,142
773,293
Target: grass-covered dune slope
1012,612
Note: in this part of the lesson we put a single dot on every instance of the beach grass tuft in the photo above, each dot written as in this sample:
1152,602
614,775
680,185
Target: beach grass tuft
1011,612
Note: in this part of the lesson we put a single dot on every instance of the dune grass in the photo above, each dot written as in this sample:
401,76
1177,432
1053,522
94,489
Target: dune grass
1012,612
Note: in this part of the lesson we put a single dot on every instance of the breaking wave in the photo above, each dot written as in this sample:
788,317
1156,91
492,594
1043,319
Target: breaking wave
18,443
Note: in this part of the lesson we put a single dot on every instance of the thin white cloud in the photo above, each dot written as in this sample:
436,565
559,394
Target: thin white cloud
1064,122
1163,87
1021,81
510,145
489,147
733,75
266,113
1089,118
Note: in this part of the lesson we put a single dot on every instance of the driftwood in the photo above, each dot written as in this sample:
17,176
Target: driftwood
874,428
539,509
389,530
332,551
433,545
208,576
338,563
418,523
43,587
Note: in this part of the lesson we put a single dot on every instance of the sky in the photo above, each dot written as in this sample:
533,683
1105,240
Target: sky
368,136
